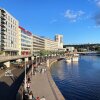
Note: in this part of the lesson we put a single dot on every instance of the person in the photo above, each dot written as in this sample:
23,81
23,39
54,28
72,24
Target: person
37,98
28,86
43,98
30,95
25,95
29,80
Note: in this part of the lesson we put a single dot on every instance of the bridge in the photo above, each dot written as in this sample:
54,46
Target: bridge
7,59
88,52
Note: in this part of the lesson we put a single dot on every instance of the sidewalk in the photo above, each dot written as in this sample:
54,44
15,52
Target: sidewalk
40,86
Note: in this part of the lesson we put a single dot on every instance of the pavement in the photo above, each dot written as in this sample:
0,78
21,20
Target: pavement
40,86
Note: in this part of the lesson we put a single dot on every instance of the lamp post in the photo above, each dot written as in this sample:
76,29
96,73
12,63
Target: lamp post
36,60
25,85
32,65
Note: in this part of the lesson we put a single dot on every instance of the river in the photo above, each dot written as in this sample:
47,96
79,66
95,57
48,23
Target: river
78,80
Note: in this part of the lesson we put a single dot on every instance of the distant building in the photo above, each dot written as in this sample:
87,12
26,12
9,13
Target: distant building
8,33
25,42
59,40
38,44
71,49
51,45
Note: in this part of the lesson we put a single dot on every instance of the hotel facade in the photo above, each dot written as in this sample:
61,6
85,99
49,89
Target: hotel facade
8,33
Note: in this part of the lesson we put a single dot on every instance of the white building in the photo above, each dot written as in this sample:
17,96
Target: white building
8,33
71,49
38,44
51,45
59,39
25,42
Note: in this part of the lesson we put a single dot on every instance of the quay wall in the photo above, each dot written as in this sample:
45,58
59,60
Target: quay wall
55,89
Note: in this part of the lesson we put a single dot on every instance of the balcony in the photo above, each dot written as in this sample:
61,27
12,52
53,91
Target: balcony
3,33
3,45
3,29
3,14
3,26
3,40
3,11
3,18
3,22
3,37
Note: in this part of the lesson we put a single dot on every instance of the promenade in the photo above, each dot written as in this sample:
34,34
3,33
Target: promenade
42,84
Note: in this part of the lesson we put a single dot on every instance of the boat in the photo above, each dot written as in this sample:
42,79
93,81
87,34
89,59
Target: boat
72,56
68,60
75,58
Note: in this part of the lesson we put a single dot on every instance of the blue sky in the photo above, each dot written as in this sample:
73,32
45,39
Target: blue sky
77,20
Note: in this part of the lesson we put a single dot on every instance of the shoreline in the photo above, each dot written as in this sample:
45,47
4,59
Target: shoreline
52,83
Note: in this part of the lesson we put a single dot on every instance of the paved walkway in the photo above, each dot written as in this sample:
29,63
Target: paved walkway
40,86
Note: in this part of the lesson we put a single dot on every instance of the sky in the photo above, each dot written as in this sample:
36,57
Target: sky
77,20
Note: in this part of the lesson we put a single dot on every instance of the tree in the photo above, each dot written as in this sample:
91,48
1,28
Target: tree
1,52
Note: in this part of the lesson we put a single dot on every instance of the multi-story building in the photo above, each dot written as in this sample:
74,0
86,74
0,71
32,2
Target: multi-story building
51,45
8,33
25,42
59,39
38,44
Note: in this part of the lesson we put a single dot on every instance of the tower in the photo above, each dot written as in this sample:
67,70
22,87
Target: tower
59,39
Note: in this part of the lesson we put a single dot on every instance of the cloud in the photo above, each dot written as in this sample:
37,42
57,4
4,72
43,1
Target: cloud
73,16
95,26
97,19
97,2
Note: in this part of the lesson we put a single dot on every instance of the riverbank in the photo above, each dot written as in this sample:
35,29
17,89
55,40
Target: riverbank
54,87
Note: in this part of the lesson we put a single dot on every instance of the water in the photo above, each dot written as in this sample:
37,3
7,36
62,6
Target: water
78,81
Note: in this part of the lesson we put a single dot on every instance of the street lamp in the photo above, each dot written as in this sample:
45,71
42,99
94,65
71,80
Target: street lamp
25,85
32,65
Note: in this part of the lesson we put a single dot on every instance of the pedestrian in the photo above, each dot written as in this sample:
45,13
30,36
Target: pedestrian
43,98
37,98
28,86
30,95
25,95
29,80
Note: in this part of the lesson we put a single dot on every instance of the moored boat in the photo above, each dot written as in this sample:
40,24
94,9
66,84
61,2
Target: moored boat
75,58
68,59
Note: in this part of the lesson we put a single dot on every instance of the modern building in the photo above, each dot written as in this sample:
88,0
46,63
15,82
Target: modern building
8,33
51,45
15,40
25,42
59,40
38,44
